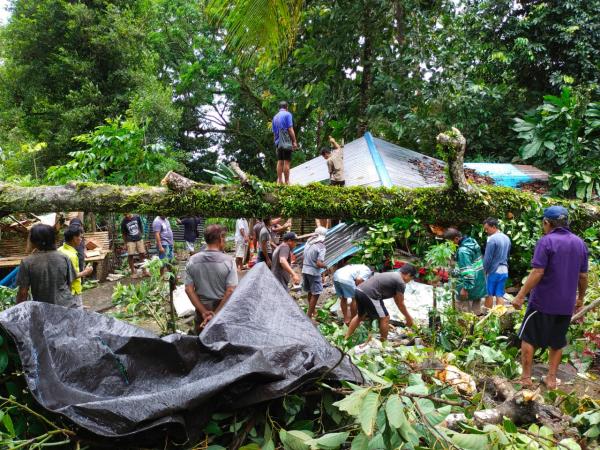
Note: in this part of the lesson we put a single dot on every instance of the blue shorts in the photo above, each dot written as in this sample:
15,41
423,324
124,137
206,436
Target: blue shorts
312,283
168,253
495,284
343,290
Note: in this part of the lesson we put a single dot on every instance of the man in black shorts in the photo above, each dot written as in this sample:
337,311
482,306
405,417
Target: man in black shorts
558,282
369,298
283,124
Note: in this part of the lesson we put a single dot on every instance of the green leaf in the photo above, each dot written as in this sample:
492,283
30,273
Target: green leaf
394,409
294,439
329,441
252,446
368,413
509,426
360,442
530,150
8,424
569,443
377,442
470,441
352,403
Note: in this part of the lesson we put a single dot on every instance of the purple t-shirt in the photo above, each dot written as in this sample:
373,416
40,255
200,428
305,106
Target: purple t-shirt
563,256
282,120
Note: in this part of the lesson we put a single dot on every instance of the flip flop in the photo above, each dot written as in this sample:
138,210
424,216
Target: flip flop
558,382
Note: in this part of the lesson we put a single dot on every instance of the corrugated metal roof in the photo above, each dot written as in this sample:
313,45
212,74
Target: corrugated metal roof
360,168
341,241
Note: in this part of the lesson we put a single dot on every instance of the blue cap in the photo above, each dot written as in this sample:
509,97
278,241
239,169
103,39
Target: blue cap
290,236
556,212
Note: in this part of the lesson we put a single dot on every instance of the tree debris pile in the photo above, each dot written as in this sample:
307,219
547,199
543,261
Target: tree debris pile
434,172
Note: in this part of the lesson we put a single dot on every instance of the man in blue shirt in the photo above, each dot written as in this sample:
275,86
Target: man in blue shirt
283,124
495,262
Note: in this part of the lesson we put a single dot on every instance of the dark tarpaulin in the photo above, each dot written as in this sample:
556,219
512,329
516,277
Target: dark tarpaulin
116,380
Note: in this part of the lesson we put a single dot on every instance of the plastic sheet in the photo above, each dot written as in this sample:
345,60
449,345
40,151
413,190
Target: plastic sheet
116,380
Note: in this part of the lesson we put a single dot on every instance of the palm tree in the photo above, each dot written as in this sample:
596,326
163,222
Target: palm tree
258,28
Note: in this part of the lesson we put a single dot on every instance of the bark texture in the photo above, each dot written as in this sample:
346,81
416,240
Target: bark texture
454,145
432,205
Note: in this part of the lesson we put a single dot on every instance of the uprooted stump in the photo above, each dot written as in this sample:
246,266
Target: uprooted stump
522,408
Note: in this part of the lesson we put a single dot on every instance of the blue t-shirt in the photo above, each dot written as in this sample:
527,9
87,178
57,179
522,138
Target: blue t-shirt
281,121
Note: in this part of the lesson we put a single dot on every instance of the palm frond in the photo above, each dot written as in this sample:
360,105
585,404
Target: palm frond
258,28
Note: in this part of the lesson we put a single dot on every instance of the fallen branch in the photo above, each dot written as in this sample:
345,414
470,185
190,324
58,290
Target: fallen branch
585,310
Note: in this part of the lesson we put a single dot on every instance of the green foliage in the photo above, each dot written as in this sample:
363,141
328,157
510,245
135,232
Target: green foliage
7,297
148,298
564,135
117,153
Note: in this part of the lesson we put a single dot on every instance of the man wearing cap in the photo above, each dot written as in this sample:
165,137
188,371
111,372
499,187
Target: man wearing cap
345,281
557,283
335,163
314,261
281,264
285,141
370,295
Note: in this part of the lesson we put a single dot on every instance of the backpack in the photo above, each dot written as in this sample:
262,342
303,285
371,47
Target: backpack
285,141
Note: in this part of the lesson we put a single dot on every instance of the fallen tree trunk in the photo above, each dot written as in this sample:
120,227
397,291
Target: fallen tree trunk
432,205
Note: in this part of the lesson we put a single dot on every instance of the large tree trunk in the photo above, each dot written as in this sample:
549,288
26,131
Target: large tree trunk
432,205
453,145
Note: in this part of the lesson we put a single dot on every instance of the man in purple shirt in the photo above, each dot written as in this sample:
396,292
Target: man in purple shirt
557,283
283,123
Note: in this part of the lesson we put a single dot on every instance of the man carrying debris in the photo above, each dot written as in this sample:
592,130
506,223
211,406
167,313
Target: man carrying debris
242,234
314,261
345,281
471,279
557,283
132,230
285,142
281,265
210,276
495,262
370,295
335,163
47,272
73,237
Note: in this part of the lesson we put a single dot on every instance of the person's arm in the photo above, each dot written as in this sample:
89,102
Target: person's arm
582,286
399,300
358,280
244,234
334,143
293,136
158,244
286,266
263,248
488,256
84,273
195,299
22,294
535,276
226,296
321,258
124,231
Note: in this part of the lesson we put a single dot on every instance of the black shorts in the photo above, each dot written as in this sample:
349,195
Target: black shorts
375,309
544,330
284,155
338,183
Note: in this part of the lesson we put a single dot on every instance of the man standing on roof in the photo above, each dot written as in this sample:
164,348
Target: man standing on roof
210,276
495,262
471,279
345,281
285,142
282,260
370,295
335,163
314,261
557,282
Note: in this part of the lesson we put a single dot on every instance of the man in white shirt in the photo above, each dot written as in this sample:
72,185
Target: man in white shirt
242,235
345,281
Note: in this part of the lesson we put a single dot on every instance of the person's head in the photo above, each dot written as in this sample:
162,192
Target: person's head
215,235
555,217
42,237
452,234
163,217
283,105
490,225
290,238
73,236
128,215
267,221
325,152
408,272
